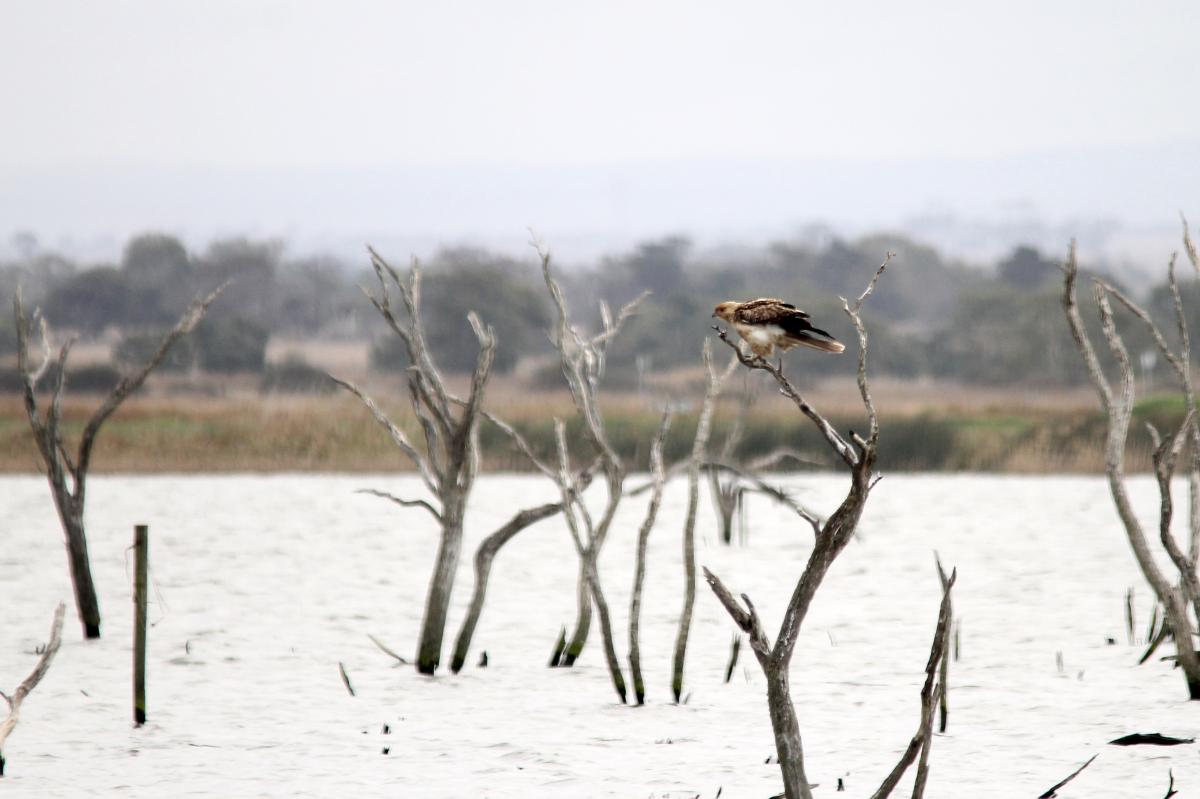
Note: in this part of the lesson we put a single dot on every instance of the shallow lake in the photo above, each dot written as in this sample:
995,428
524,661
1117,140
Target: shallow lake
263,584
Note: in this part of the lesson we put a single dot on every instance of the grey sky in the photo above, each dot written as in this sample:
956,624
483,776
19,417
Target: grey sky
270,83
93,88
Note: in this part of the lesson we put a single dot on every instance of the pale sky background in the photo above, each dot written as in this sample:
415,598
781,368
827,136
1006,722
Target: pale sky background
329,122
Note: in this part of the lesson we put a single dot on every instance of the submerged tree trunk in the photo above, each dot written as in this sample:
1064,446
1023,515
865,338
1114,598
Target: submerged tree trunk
1117,398
67,471
86,601
441,584
583,616
787,735
725,499
699,446
449,461
658,474
610,651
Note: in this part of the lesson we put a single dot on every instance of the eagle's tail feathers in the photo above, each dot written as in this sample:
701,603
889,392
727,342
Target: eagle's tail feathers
806,339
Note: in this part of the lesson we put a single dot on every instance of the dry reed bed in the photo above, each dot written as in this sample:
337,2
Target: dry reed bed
930,427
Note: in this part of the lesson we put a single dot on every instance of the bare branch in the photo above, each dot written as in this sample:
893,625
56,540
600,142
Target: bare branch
405,503
1070,272
30,682
1177,365
870,286
831,436
397,435
746,620
929,698
1052,791
521,444
131,383
387,651
863,385
1189,246
780,454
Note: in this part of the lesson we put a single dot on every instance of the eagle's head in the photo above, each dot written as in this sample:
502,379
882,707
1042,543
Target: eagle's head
725,310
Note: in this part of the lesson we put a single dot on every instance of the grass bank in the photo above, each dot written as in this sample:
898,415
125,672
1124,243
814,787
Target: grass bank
334,433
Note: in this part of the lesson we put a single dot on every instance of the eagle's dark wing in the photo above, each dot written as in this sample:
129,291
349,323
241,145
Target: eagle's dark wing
794,323
768,311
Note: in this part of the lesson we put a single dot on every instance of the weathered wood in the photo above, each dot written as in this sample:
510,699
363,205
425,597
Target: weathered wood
699,448
449,461
483,569
944,702
831,537
67,473
141,569
400,661
659,478
345,678
1150,739
29,683
559,646
734,649
581,359
1117,401
922,740
1052,791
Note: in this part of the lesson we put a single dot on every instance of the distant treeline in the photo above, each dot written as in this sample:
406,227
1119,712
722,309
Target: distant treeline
931,317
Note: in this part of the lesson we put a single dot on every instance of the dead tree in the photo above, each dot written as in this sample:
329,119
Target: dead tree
658,481
1117,399
582,361
449,461
731,480
30,682
727,494
858,454
65,471
716,379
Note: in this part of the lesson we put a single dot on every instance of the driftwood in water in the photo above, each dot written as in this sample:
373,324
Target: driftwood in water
67,471
1151,739
735,649
400,661
1052,791
345,678
29,683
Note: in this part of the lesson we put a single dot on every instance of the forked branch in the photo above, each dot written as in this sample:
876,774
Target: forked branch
30,682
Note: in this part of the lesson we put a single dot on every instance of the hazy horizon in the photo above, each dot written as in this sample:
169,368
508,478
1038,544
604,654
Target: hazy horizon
413,126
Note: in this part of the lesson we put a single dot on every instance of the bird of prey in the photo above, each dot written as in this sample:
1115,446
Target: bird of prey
767,323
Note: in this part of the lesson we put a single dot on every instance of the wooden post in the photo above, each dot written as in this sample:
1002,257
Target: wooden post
141,544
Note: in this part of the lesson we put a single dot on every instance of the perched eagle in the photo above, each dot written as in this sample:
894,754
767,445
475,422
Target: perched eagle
767,323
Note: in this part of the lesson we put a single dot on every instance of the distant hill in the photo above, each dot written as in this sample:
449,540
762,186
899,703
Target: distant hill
1121,203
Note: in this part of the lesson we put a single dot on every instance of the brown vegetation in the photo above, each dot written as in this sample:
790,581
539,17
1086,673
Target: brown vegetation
999,431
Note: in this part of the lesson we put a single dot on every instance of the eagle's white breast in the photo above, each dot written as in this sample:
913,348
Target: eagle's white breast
761,335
